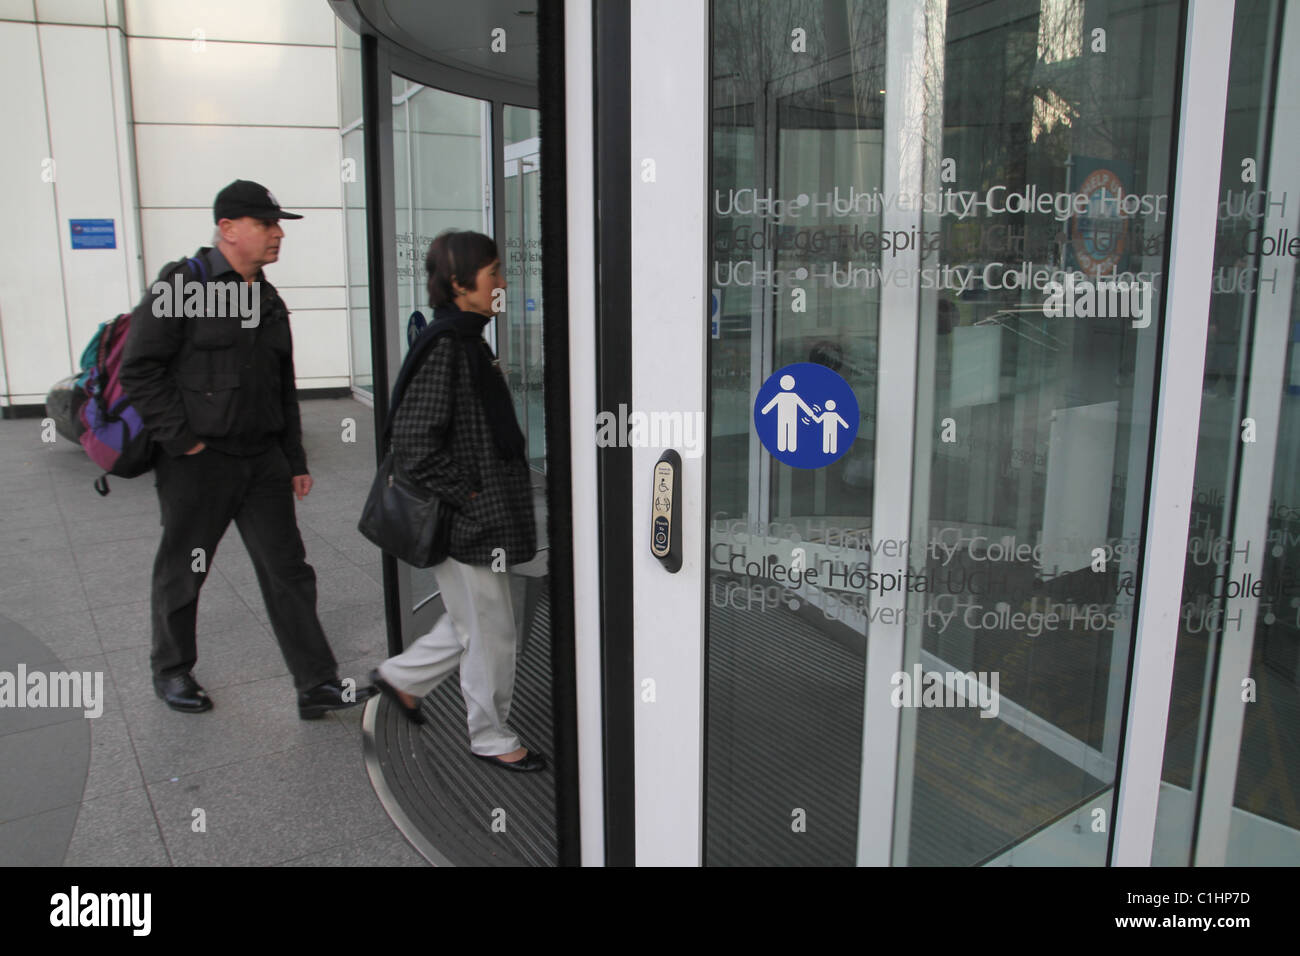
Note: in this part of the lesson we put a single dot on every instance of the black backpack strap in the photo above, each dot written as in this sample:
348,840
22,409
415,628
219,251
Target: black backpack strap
197,265
415,358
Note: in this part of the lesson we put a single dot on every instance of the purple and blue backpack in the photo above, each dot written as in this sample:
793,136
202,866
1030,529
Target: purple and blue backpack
115,437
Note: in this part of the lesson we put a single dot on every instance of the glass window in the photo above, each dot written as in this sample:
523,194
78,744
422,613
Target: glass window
354,223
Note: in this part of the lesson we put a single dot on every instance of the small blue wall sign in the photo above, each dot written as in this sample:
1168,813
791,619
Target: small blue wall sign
93,233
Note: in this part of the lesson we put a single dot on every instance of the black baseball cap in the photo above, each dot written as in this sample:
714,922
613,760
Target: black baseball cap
244,197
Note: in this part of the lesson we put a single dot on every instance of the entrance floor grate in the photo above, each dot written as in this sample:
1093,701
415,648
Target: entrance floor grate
454,808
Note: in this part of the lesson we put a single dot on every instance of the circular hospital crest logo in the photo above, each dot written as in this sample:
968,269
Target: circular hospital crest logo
1100,234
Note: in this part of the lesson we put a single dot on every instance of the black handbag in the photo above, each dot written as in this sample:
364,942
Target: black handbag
399,516
404,519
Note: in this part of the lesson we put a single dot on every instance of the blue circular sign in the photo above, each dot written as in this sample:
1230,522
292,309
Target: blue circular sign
806,415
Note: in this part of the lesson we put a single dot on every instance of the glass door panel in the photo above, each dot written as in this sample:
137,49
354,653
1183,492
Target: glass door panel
1025,149
785,659
1050,165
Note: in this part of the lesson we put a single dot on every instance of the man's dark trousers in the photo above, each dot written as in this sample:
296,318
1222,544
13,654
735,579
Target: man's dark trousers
200,495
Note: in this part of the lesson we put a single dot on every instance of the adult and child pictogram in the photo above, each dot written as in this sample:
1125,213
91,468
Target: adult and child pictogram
798,401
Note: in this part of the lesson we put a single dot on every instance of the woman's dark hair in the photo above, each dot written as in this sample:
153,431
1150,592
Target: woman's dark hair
456,254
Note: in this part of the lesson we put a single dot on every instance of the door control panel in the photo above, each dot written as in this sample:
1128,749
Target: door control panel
665,514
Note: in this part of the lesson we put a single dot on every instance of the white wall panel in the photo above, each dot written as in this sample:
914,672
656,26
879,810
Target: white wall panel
182,81
168,234
184,166
316,338
332,381
311,254
313,297
128,193
17,10
90,12
289,21
31,287
84,136
239,107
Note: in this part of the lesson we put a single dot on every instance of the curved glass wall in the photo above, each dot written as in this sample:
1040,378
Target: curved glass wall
442,179
520,348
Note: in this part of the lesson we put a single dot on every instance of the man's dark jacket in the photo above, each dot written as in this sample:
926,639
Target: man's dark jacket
208,379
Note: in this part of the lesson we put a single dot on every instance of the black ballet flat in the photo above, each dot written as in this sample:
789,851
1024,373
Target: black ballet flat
413,714
531,762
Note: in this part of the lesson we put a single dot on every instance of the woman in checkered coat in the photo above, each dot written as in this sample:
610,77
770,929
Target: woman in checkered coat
456,435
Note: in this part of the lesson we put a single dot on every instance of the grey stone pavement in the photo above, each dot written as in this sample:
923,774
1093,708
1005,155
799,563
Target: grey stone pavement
124,788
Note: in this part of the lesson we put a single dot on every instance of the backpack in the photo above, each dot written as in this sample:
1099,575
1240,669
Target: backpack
90,354
115,437
67,395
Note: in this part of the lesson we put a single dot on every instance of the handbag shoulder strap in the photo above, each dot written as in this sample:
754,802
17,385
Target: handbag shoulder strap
414,361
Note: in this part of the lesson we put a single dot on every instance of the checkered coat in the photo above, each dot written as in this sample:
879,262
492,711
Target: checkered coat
442,440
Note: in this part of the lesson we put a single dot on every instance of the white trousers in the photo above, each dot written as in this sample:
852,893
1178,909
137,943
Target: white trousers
477,633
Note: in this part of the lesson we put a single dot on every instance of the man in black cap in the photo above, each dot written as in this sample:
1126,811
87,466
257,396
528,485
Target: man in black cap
213,381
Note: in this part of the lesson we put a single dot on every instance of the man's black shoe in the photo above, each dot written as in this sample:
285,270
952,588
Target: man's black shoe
322,698
182,692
